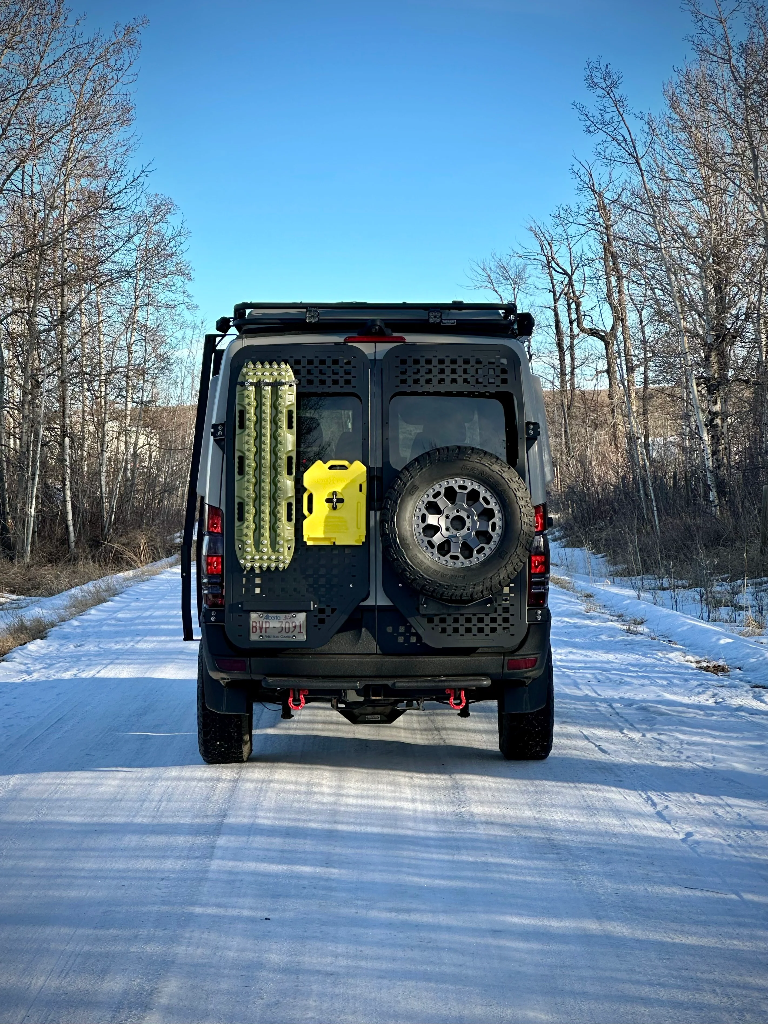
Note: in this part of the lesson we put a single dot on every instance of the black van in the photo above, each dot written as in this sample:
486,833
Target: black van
368,484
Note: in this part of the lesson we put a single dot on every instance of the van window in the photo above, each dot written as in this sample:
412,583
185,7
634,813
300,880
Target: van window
419,423
329,427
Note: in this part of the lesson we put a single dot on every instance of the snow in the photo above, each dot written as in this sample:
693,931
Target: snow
381,873
733,604
745,657
55,607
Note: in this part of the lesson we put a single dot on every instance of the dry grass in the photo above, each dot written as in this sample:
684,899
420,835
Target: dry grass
563,582
46,579
752,626
717,668
97,593
634,625
23,629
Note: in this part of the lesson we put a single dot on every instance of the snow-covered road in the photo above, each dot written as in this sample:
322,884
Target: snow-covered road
398,873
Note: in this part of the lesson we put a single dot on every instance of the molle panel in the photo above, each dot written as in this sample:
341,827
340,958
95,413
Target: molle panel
498,624
448,368
326,581
335,368
396,635
498,621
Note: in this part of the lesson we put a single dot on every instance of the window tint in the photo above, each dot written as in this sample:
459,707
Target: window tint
419,423
329,427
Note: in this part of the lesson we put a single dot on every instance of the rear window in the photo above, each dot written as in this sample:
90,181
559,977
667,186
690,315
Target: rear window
330,427
419,423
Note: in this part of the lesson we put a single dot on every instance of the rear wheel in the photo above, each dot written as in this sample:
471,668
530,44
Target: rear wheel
528,736
221,739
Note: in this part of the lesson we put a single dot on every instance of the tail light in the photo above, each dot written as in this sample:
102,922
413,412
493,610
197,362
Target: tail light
213,560
538,561
540,518
522,663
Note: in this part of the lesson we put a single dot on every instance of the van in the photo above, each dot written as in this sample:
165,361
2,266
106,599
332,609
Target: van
367,504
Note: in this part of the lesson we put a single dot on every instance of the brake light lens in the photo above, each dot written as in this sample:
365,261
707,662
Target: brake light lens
212,582
213,565
214,518
540,518
538,564
538,572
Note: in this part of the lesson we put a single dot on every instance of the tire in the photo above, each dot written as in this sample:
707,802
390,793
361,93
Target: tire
221,739
528,736
444,570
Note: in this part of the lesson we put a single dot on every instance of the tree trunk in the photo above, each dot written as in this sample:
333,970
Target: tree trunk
6,541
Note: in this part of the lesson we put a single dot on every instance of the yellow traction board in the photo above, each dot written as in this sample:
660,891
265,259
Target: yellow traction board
334,502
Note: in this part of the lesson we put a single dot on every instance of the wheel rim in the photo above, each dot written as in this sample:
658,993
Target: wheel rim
458,522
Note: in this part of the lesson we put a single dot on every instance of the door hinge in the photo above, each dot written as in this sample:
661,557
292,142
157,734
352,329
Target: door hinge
376,479
219,434
532,433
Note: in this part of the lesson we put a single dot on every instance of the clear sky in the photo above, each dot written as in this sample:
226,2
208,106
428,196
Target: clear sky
336,150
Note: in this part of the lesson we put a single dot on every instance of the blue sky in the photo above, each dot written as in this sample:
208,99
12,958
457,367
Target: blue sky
325,151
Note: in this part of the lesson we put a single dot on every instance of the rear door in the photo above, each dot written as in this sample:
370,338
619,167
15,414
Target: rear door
323,581
436,393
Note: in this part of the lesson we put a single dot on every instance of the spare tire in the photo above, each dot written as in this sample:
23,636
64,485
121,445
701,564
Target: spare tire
457,523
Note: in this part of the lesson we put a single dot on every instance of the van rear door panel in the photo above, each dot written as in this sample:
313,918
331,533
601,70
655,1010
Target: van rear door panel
420,386
324,581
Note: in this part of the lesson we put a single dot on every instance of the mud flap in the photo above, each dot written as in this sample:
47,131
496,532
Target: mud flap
224,699
521,699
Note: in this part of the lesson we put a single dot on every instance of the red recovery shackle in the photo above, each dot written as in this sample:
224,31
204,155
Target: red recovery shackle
462,700
292,697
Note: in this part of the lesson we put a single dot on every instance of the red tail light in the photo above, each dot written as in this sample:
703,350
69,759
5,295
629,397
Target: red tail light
540,517
538,562
521,663
213,560
213,565
214,520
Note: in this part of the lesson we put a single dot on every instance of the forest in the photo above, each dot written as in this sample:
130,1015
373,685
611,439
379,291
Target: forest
651,295
97,338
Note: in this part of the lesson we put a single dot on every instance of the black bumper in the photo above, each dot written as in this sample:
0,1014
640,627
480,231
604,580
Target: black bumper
484,674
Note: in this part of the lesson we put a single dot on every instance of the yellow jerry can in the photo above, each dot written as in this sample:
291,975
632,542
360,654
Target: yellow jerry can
334,503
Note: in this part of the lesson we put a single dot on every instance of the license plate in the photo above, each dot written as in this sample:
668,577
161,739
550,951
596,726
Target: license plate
278,625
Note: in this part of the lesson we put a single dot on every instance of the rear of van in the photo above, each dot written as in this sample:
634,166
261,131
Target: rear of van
371,510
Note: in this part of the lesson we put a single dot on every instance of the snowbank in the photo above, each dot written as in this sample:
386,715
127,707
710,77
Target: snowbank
54,608
746,658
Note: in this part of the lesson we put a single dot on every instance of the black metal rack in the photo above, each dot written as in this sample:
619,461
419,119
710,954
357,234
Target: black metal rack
479,318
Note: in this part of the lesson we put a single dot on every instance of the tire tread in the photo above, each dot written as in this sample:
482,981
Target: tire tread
221,739
528,736
461,590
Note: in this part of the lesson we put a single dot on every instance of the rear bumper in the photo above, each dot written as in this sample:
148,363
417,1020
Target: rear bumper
484,673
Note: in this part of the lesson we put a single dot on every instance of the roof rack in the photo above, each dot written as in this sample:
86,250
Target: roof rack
484,318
